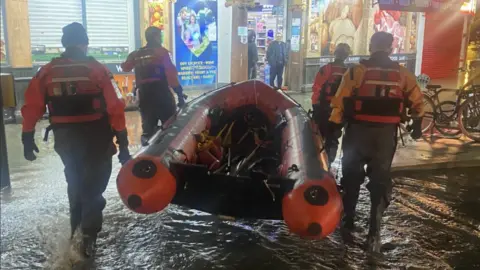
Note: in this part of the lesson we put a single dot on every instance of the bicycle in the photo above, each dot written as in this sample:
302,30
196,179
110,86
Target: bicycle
429,105
452,118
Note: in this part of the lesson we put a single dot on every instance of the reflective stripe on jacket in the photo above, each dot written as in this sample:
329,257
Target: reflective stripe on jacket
326,83
76,90
376,87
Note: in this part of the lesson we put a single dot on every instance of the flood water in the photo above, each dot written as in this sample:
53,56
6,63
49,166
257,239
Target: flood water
432,223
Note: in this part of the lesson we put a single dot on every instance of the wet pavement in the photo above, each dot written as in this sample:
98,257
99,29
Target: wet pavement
432,223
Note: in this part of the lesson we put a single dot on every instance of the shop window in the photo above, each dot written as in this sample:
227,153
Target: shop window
47,18
353,22
108,29
264,21
3,45
334,22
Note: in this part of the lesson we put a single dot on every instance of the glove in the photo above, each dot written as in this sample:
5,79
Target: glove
29,146
123,152
416,129
181,97
334,127
181,101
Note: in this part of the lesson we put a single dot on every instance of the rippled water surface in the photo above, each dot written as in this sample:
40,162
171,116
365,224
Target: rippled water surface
433,223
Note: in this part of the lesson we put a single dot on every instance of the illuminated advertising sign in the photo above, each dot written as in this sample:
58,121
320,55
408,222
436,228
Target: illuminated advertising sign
196,49
469,7
418,5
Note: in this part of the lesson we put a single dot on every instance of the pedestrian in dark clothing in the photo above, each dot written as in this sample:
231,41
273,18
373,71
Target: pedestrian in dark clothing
252,55
277,57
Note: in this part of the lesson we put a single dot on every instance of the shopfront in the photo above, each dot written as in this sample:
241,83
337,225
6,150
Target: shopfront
265,20
354,22
204,37
109,23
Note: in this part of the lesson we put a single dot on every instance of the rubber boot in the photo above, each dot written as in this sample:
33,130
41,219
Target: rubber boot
144,139
88,246
74,226
374,242
350,199
75,220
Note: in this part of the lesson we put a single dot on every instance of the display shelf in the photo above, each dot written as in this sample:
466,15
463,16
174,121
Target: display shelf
261,23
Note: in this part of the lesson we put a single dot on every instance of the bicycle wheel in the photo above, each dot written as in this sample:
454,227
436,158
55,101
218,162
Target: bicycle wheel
427,121
445,119
469,118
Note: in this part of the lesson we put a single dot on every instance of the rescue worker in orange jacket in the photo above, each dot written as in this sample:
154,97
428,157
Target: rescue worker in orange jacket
370,102
86,111
154,73
324,88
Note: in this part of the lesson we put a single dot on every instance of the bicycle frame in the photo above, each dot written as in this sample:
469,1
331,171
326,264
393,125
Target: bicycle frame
466,91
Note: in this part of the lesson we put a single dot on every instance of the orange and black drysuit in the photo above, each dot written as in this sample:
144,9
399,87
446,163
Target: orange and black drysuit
154,73
370,101
86,110
324,89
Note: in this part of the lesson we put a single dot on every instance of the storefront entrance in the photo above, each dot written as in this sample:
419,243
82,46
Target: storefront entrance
265,21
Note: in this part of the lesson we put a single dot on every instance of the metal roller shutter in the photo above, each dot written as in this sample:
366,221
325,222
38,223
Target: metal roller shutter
442,44
48,17
107,23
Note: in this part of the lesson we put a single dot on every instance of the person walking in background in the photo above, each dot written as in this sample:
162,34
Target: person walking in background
324,89
277,57
252,55
154,74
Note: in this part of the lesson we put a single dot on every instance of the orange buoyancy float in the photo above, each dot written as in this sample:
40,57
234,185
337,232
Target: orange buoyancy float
313,208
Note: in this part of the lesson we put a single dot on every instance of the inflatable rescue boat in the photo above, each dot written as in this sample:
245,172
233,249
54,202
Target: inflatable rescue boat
244,151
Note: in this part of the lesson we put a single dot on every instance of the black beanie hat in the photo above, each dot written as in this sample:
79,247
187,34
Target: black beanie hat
152,34
74,34
382,40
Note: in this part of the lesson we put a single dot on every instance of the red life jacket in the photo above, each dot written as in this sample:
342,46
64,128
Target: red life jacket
72,96
330,87
149,67
380,97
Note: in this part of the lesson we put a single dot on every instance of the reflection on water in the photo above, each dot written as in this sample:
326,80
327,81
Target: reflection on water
433,223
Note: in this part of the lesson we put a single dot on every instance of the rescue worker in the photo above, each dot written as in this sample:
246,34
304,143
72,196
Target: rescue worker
86,111
154,73
324,88
370,101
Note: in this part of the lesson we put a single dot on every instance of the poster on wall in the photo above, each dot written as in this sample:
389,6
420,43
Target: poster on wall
196,51
156,16
420,5
349,21
295,39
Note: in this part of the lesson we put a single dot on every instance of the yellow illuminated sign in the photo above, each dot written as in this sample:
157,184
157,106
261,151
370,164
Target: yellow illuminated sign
469,7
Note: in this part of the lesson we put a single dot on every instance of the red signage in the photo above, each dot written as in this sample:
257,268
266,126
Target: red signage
419,5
